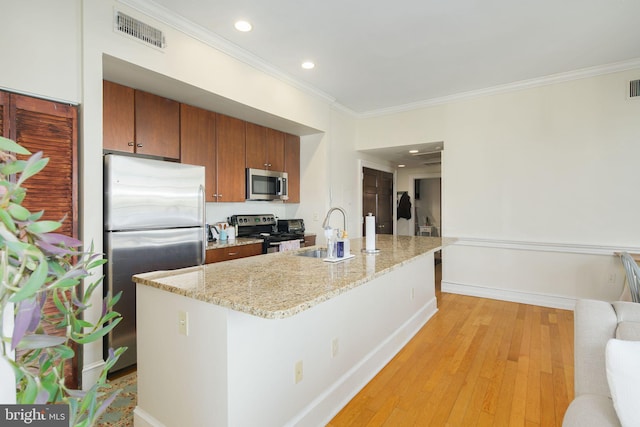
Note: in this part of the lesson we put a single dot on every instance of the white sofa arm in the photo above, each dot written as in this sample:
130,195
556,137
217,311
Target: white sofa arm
627,311
595,324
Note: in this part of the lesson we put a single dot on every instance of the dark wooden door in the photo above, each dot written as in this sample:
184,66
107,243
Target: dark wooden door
377,198
198,144
157,125
230,140
50,127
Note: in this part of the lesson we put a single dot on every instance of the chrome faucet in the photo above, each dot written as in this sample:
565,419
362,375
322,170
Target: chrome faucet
325,223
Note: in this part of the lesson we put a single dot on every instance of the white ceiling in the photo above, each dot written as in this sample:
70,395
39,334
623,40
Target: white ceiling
374,55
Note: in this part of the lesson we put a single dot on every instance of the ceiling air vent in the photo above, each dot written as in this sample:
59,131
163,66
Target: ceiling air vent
634,88
139,30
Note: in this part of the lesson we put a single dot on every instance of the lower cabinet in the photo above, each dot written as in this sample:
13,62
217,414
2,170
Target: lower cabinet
309,240
233,252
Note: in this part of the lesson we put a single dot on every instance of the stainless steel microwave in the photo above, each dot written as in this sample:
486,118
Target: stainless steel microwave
267,185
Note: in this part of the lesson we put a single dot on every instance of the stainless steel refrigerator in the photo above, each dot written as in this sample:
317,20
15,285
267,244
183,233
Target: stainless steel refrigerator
154,216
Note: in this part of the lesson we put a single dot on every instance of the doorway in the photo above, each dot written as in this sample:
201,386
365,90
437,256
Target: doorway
377,198
427,208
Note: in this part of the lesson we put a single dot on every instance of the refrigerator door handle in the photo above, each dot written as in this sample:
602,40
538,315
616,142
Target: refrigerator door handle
204,230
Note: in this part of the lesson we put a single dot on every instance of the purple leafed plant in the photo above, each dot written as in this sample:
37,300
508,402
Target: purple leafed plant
37,264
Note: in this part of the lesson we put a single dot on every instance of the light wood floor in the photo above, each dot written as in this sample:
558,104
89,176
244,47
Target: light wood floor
476,362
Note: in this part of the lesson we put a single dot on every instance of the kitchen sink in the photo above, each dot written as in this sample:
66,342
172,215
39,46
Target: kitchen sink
313,253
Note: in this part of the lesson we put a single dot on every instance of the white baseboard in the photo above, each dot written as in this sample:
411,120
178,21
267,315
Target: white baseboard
141,418
332,400
544,300
91,373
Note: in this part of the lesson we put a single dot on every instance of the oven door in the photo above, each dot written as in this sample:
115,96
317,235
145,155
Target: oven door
285,245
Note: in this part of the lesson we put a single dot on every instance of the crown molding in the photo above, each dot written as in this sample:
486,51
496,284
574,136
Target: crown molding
510,87
167,17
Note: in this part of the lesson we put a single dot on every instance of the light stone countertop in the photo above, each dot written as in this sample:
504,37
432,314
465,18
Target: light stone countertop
281,284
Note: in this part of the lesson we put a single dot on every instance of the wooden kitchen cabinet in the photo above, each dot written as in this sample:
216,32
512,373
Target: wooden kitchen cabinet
264,148
118,117
139,122
292,166
198,144
157,125
309,240
230,140
233,252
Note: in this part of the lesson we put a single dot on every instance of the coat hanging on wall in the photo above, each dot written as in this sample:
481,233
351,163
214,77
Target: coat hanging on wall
404,206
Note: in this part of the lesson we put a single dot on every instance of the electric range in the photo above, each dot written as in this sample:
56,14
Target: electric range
265,227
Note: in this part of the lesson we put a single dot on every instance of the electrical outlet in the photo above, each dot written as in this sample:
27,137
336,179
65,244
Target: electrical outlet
334,347
612,278
298,371
316,216
183,323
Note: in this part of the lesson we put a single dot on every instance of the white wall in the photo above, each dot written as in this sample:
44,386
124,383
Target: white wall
548,171
41,46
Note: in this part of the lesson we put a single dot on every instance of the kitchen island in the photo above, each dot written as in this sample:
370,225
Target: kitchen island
276,339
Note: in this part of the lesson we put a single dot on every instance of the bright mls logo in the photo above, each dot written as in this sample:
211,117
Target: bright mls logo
34,415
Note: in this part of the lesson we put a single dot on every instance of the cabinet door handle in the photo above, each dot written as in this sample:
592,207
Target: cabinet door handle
233,253
130,143
139,145
219,195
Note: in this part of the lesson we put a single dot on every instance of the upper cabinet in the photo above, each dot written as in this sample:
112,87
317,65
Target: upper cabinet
198,144
265,148
157,125
230,139
216,142
140,122
292,166
118,117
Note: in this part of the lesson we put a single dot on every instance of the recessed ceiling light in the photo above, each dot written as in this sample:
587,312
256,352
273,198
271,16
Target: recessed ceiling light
243,26
413,151
401,166
308,65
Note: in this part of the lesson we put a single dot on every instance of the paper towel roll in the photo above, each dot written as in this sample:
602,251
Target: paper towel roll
370,233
